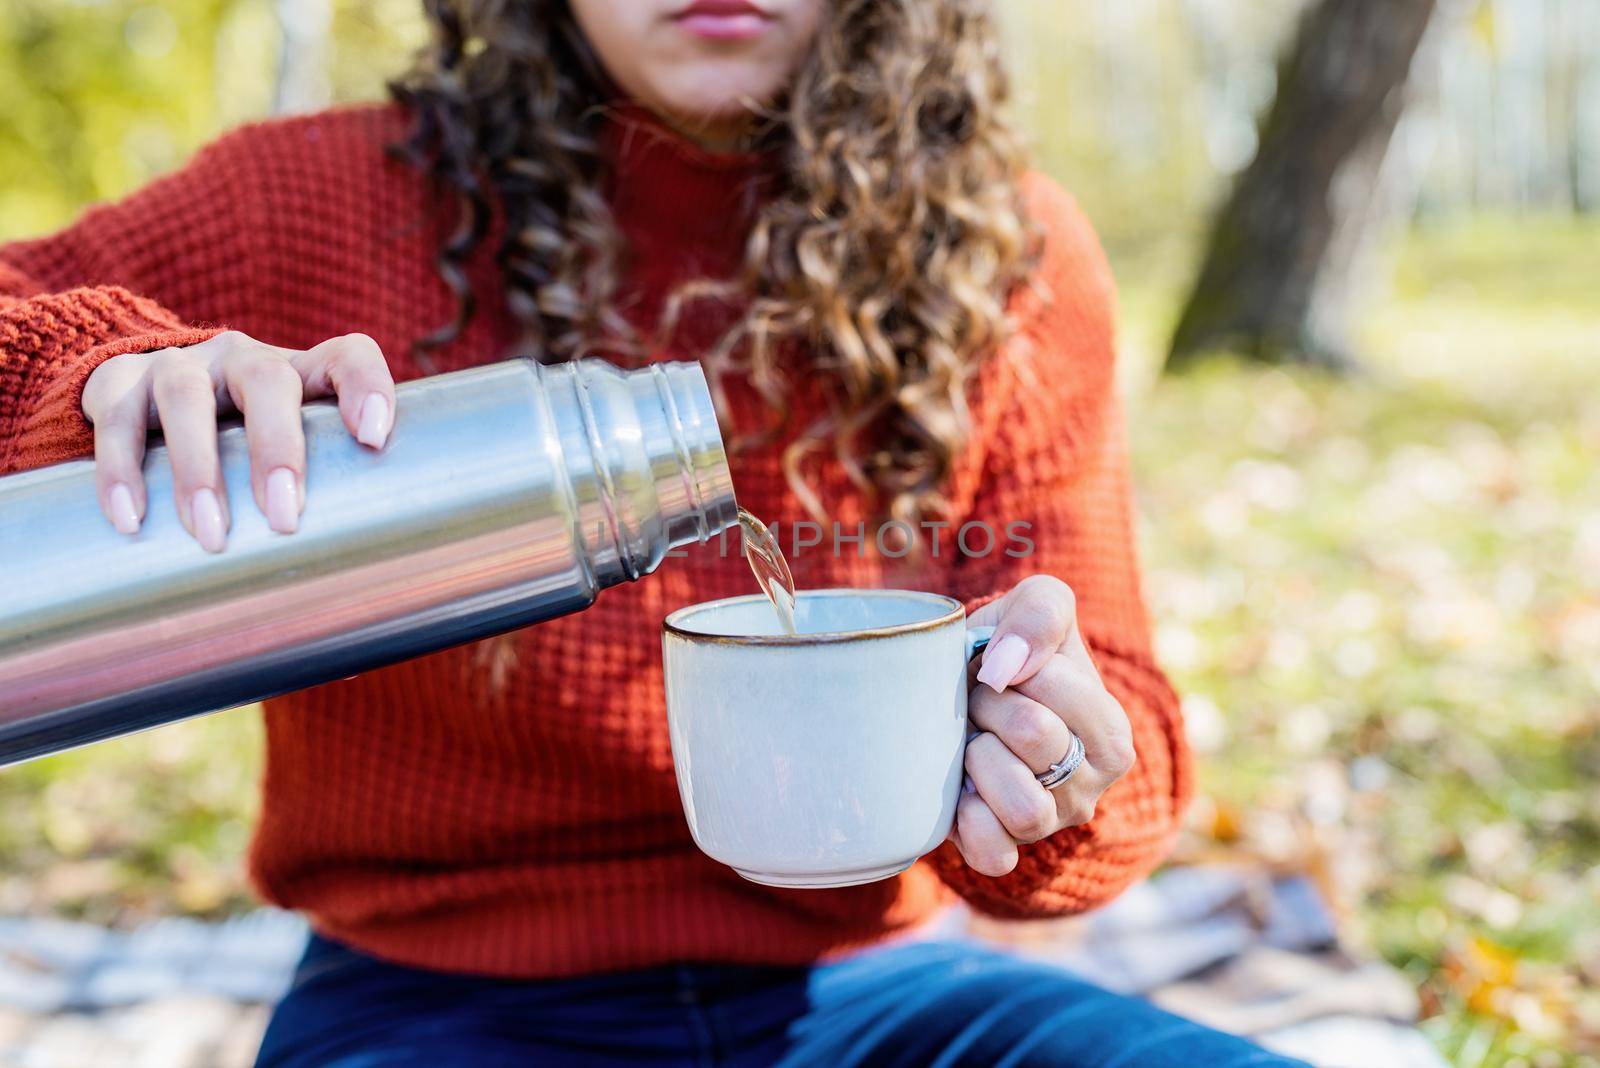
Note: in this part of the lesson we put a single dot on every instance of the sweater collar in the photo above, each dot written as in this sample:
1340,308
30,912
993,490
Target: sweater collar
632,131
673,196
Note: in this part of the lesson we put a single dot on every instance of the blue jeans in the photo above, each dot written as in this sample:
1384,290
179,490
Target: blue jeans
921,1004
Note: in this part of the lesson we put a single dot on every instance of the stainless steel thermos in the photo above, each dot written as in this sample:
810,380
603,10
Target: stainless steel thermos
507,494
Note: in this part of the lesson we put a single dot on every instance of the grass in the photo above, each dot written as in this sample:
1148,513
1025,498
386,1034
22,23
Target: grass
1382,600
148,825
1380,596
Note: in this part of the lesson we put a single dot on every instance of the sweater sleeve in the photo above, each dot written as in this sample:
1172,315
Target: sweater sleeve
1058,463
157,270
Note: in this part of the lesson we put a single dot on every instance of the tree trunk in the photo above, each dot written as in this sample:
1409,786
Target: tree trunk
301,84
1272,285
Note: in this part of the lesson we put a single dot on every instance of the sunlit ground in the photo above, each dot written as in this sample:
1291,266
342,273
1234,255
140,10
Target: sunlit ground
1381,598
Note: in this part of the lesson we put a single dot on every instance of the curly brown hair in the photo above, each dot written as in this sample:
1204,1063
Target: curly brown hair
889,249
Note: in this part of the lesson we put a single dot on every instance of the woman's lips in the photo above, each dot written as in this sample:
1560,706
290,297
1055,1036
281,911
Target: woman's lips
723,20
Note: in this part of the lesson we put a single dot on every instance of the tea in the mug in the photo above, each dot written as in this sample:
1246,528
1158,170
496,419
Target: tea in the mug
761,552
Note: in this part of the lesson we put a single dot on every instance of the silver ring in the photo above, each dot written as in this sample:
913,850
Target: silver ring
1063,769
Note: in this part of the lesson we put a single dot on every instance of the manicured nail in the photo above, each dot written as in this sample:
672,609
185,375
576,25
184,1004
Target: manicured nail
123,514
967,785
374,428
1002,661
283,501
207,517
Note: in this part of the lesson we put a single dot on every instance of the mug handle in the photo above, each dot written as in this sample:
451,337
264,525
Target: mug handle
977,639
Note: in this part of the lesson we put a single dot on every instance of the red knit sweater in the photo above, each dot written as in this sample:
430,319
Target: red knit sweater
510,808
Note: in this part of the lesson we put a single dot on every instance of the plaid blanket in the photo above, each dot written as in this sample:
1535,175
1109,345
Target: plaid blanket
1236,949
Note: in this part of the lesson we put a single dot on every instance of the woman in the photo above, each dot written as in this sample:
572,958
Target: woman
819,200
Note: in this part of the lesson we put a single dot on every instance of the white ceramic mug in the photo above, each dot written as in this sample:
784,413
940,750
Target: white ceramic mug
826,758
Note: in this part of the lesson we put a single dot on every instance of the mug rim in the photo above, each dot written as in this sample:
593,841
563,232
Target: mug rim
955,613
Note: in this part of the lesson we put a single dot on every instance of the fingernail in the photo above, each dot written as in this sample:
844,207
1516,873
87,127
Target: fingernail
1002,661
207,517
374,428
967,785
123,514
283,501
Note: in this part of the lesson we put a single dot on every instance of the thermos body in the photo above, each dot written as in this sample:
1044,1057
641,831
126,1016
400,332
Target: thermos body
507,494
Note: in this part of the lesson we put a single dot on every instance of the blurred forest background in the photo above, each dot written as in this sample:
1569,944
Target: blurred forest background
1379,592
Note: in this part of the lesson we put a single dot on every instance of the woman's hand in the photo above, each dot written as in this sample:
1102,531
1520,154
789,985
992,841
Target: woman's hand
1036,683
182,391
